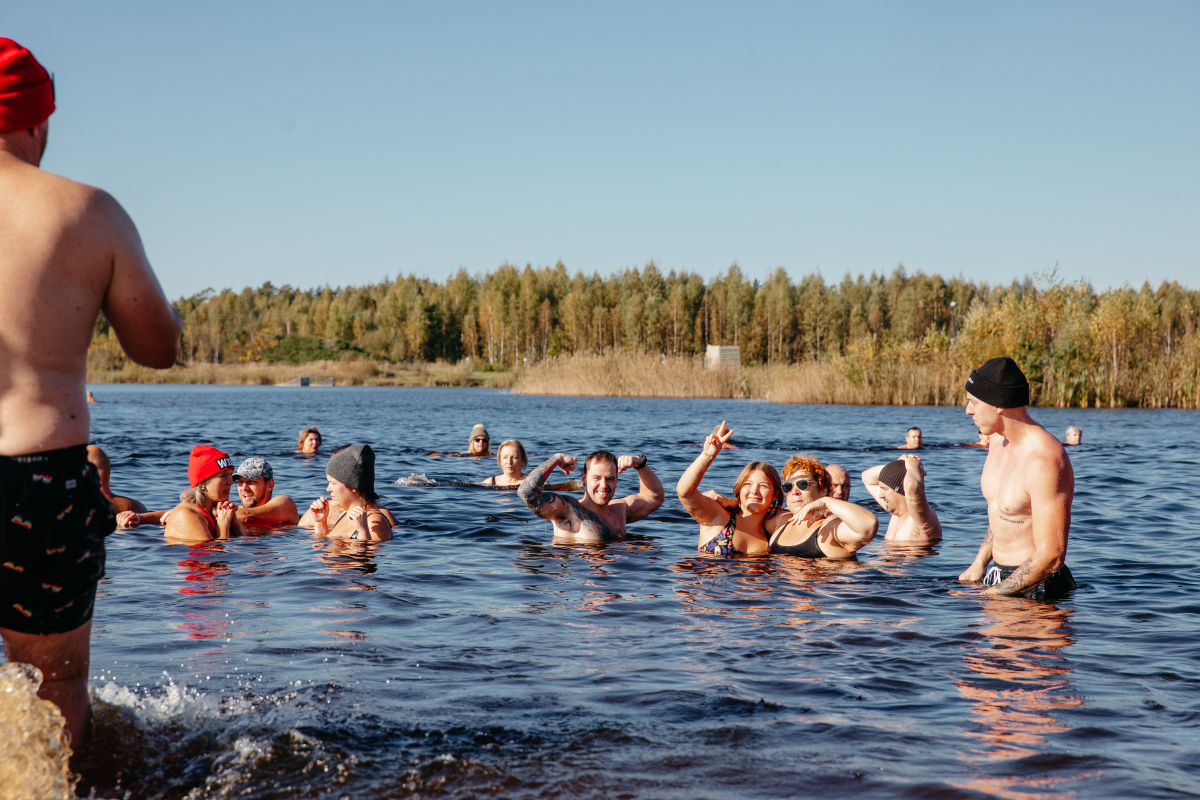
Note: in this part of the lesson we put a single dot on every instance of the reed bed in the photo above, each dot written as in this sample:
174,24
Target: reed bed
350,372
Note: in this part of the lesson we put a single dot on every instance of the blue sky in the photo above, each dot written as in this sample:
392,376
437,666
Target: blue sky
340,143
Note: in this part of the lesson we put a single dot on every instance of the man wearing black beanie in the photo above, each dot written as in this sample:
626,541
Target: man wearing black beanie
1029,486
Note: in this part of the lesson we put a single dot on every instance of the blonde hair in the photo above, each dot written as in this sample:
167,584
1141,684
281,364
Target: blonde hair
772,476
813,466
520,452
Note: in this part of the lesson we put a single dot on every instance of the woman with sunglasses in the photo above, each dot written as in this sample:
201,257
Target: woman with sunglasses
742,528
819,526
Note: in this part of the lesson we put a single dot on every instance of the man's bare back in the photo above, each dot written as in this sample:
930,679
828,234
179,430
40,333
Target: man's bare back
67,252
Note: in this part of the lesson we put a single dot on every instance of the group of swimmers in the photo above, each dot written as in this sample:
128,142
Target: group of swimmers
71,252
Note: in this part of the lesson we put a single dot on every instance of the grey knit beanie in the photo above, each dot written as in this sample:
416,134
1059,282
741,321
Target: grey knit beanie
892,476
355,467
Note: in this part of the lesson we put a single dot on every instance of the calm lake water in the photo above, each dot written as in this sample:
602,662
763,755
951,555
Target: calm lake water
469,657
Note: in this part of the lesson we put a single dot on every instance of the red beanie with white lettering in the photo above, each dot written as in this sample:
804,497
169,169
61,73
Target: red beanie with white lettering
205,462
26,90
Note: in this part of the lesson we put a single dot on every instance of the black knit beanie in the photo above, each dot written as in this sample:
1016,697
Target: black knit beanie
892,476
355,467
1001,383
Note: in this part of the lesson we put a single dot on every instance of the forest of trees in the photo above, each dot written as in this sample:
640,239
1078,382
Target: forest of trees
1119,347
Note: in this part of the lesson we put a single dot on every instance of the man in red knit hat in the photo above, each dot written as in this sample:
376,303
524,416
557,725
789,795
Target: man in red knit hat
69,252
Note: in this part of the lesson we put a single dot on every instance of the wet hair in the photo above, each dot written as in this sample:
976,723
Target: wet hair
599,455
772,476
304,435
520,453
813,466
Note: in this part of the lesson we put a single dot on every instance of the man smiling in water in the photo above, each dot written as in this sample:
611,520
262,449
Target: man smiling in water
598,517
255,484
1029,487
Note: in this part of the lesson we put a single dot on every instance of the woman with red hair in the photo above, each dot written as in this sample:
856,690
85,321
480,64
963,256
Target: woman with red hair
817,525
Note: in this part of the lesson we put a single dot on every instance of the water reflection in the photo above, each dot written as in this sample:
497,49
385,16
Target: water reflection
347,561
204,575
1019,679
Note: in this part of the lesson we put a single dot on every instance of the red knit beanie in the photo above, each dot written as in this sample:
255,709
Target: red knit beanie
205,462
26,91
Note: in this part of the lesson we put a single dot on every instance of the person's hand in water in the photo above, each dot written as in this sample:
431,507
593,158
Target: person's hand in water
973,574
358,515
128,519
715,443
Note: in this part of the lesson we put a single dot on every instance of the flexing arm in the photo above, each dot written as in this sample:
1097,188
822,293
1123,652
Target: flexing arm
1051,486
870,480
650,490
146,324
546,505
276,511
703,509
918,506
858,525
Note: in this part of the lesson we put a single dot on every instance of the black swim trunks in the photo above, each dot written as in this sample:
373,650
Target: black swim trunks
53,520
1056,585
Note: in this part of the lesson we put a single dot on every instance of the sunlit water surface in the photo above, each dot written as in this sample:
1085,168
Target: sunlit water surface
469,657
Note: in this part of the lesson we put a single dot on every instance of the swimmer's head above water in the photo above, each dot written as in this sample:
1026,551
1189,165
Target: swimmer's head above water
1074,435
839,481
600,477
758,488
996,386
480,444
805,479
210,475
310,441
351,474
255,481
511,457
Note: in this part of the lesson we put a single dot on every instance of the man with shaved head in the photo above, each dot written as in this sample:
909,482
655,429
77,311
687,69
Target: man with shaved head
839,481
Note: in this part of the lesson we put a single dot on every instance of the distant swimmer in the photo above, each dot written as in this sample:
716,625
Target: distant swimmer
98,459
598,517
819,525
479,445
512,459
91,398
1074,435
1029,487
757,490
351,474
204,511
912,440
839,481
67,252
260,506
985,442
309,442
899,487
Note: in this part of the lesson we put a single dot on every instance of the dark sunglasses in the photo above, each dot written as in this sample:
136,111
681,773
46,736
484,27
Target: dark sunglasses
801,485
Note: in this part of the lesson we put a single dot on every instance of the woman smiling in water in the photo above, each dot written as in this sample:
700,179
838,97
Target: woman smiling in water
351,475
819,526
736,531
512,460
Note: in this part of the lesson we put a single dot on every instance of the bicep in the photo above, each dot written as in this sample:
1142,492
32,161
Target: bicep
638,507
135,305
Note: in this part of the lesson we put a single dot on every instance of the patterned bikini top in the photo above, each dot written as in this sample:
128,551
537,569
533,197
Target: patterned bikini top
723,541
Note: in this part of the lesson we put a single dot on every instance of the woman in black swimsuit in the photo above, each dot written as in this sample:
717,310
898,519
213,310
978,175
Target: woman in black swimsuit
735,531
819,526
351,474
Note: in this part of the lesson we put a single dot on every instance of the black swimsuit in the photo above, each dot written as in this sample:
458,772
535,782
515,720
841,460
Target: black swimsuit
809,548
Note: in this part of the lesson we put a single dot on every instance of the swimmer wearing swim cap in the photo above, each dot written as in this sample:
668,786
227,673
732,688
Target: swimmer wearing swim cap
1029,486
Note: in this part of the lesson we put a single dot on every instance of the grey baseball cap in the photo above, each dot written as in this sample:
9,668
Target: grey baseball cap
253,468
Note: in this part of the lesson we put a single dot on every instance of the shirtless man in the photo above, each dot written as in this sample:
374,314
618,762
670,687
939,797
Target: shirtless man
256,483
839,481
99,459
1029,486
67,252
912,440
597,517
899,487
1074,435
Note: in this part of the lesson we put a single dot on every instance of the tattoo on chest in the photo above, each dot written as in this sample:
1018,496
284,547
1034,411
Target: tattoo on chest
587,521
1013,521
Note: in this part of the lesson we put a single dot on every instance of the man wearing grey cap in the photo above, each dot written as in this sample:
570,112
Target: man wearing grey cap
899,487
256,484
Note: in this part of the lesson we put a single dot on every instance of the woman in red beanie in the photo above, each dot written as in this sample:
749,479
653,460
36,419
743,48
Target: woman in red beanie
204,511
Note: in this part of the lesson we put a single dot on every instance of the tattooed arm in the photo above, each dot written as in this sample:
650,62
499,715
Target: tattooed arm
974,573
546,505
1051,487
